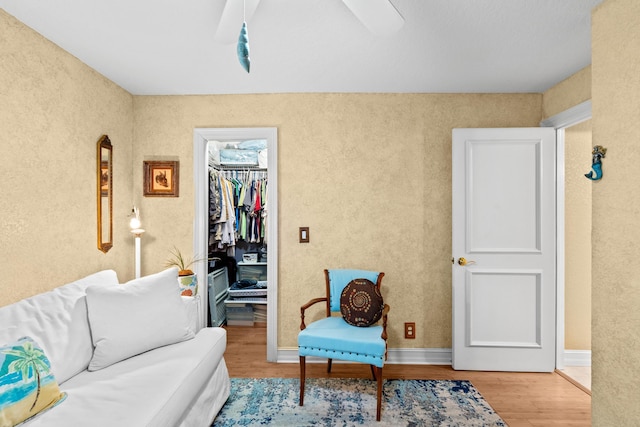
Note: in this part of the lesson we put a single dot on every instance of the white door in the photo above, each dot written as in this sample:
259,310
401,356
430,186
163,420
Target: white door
503,225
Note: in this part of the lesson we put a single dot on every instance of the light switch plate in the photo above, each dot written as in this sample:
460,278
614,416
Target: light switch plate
304,234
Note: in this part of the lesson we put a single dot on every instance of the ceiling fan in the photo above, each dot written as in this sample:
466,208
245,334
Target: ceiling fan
378,16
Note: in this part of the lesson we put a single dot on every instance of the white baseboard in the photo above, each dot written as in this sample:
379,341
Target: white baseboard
397,356
577,358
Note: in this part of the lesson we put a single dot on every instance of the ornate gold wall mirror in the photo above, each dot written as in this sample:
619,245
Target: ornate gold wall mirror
105,194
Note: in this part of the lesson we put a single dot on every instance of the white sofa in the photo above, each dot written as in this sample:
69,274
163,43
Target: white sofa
125,355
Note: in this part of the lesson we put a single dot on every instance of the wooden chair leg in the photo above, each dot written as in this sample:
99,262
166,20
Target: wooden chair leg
379,408
373,371
329,363
302,377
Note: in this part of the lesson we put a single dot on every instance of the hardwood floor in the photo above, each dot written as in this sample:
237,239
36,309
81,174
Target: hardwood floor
521,399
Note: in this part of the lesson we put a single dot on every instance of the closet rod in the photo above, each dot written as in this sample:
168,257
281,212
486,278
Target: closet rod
237,168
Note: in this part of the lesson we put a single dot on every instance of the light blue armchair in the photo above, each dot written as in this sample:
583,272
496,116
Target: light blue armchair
334,338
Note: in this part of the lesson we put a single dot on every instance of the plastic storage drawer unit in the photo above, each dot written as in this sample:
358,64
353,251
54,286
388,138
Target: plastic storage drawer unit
218,292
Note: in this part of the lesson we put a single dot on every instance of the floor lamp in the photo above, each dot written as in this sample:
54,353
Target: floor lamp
135,225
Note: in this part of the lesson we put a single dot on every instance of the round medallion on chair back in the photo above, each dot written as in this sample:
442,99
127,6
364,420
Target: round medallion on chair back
361,303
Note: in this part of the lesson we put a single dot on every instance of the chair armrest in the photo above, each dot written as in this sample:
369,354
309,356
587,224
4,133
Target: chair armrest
385,310
307,305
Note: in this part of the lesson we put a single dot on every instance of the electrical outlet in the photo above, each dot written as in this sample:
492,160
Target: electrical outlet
410,330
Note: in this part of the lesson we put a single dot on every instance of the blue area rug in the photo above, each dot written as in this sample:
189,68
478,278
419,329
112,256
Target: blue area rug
352,402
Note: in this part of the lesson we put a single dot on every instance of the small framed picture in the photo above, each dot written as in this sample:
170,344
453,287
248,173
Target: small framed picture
161,178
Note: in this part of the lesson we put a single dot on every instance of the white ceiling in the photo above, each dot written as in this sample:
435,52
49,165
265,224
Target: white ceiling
156,47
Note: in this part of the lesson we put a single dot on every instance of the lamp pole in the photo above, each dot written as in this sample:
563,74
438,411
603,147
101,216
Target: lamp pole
135,224
137,233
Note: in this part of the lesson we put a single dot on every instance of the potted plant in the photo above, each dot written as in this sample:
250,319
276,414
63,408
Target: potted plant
187,280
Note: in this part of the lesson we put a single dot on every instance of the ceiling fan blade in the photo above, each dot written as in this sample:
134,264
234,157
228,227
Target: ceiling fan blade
231,19
379,16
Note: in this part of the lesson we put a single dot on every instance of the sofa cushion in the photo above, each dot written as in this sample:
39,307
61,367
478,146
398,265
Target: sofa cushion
192,306
27,385
156,388
135,317
57,320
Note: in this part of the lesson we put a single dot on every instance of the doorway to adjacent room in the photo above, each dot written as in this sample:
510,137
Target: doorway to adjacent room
573,240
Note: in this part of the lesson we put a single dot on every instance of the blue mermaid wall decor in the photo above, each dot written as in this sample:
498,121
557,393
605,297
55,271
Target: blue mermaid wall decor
598,154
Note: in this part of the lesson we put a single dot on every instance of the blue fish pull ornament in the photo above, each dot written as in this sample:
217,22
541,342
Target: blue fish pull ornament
243,48
598,154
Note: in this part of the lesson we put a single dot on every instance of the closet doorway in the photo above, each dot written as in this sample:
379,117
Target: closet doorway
203,138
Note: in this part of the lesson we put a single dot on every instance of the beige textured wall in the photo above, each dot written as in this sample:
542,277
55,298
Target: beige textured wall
616,213
53,110
568,93
370,174
578,237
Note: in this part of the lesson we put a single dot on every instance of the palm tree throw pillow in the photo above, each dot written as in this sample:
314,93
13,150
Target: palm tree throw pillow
27,385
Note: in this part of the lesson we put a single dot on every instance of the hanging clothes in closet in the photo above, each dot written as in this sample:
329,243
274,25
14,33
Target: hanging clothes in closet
237,208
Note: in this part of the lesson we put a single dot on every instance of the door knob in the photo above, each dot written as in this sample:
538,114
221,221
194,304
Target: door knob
463,261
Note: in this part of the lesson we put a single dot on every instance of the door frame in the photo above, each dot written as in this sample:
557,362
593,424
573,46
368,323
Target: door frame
561,121
201,138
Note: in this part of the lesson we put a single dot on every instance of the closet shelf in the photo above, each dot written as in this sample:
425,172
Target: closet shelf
237,167
245,301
